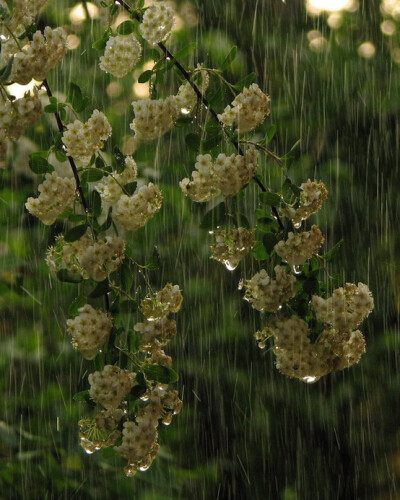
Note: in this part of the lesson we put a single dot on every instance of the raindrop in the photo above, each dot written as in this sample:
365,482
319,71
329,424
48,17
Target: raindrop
229,265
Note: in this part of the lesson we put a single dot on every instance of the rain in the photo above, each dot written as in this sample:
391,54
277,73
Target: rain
332,70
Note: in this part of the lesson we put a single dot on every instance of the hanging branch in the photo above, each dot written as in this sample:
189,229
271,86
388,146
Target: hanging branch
203,99
61,128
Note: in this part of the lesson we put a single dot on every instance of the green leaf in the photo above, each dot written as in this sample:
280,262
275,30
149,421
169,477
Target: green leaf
76,304
212,142
81,396
91,175
75,97
102,42
6,71
65,276
119,160
183,121
193,142
140,4
99,163
100,289
245,82
95,203
154,261
160,374
289,153
134,341
229,58
184,52
218,97
259,251
107,223
126,272
212,127
331,254
338,280
214,217
75,233
38,164
269,241
270,134
76,218
145,76
130,188
270,199
289,186
126,28
137,391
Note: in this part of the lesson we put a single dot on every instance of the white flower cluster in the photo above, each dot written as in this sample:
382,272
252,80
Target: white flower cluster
155,334
226,175
186,97
43,53
87,258
110,386
139,439
17,116
203,186
154,117
347,307
65,255
103,257
110,187
56,194
121,55
160,304
312,197
89,330
101,431
133,212
335,349
232,245
248,109
295,355
24,11
82,140
158,21
299,247
266,294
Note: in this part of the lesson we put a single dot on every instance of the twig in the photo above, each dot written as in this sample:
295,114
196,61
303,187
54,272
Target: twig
74,169
214,114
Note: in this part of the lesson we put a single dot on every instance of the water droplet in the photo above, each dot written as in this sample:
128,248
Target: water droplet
309,379
185,111
229,265
130,470
168,58
144,468
296,269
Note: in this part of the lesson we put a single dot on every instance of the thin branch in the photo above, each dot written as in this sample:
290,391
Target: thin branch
214,114
74,169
